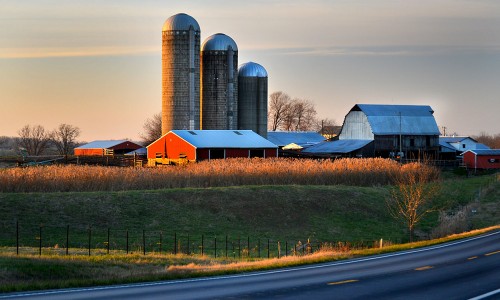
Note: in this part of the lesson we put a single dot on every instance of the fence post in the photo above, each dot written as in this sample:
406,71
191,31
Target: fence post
215,247
279,250
90,237
226,245
188,252
268,250
67,239
286,248
259,248
160,240
17,237
144,242
108,242
40,241
248,246
175,242
202,244
127,241
239,248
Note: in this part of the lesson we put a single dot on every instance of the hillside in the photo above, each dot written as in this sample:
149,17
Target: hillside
286,213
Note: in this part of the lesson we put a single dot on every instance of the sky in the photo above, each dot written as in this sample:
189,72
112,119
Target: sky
97,64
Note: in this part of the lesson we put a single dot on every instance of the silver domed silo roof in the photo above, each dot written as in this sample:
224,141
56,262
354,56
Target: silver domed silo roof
180,22
219,42
251,69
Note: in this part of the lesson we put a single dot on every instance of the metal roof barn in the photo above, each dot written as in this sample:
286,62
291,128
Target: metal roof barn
195,145
398,130
482,159
106,147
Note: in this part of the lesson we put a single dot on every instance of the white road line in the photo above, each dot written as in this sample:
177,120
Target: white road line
483,296
325,265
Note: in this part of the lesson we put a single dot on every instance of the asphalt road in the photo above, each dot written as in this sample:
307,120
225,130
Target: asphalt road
458,270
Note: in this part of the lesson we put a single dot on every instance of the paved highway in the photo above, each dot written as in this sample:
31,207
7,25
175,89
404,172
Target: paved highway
466,269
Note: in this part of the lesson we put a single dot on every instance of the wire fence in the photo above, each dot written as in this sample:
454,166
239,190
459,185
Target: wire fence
67,240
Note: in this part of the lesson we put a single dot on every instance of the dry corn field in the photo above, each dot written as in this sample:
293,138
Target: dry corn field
215,173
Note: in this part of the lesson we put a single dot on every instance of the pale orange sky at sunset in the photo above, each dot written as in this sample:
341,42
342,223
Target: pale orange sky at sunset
97,64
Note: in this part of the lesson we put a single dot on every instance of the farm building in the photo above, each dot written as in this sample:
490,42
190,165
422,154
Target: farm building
195,145
344,148
410,129
482,159
301,139
109,147
461,143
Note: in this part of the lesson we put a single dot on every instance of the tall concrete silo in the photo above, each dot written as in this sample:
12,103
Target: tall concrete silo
252,98
219,87
180,73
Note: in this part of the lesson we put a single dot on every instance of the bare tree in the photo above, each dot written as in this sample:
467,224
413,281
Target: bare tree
152,129
64,138
279,104
492,141
35,139
305,115
4,140
416,186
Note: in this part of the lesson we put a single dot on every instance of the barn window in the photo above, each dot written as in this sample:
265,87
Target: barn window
463,146
428,141
412,142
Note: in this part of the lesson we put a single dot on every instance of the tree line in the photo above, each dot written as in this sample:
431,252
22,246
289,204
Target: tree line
36,140
294,114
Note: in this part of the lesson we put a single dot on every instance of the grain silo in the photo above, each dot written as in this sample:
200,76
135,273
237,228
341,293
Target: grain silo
219,87
252,98
180,73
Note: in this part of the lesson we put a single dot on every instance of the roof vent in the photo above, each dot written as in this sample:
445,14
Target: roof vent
238,133
192,132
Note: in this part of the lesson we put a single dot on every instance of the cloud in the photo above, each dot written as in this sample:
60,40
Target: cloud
383,51
7,53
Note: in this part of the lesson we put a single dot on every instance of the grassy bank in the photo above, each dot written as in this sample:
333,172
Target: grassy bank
327,213
29,272
280,213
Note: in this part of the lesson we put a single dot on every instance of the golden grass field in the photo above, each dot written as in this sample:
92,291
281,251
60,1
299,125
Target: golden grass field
219,173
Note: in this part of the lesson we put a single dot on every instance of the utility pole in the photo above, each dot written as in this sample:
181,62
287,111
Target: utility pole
400,139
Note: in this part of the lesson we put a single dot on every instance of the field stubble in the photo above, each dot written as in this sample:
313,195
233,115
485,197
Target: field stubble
215,173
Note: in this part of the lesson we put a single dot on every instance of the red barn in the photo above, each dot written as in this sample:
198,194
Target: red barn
196,145
482,159
111,147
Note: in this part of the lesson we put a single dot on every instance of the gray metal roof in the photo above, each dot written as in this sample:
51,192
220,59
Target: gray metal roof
251,69
224,139
102,144
446,147
454,139
180,22
339,146
480,146
219,42
396,119
484,152
283,138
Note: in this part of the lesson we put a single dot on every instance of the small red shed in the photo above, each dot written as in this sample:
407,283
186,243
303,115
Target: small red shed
482,159
109,147
196,145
